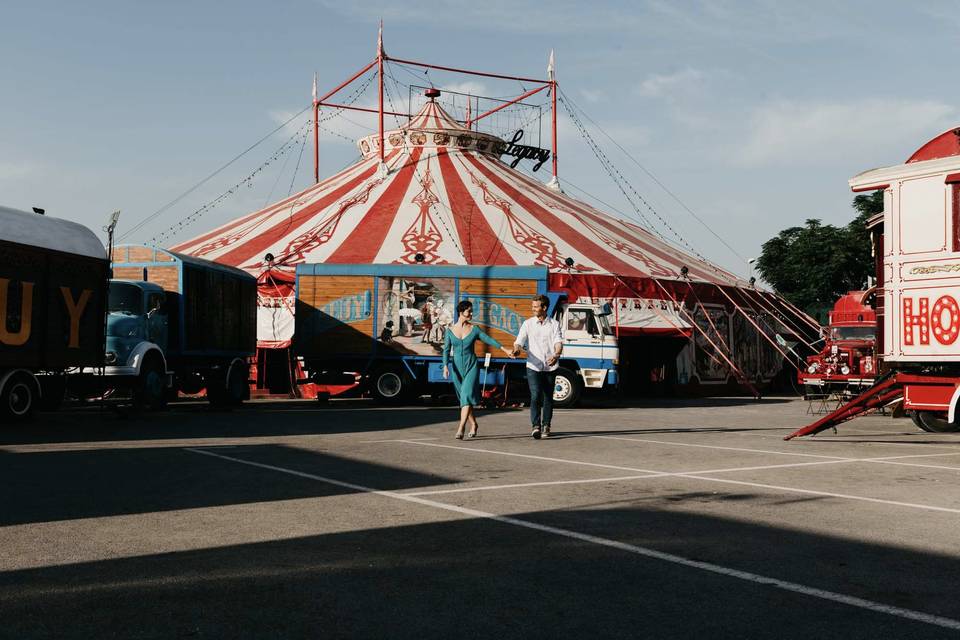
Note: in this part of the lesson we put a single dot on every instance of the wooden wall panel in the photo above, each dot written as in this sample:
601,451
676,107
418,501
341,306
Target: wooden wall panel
128,273
140,254
487,287
323,303
166,277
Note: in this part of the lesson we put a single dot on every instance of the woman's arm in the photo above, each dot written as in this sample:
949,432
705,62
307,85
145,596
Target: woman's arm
493,343
446,348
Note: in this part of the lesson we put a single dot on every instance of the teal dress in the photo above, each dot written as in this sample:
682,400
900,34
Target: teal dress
465,371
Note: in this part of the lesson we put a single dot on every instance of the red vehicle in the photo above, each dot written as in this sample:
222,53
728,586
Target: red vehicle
916,246
847,359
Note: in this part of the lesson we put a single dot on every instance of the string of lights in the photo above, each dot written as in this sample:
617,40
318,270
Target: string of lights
611,170
176,228
655,179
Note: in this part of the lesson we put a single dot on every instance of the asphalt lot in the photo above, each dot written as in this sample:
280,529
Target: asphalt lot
667,519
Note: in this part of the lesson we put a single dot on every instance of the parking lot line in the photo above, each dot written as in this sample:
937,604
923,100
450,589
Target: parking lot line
698,475
524,485
822,594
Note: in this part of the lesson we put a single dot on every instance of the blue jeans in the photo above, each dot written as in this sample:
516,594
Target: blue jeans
541,396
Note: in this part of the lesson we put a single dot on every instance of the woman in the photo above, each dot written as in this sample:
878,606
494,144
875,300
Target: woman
459,339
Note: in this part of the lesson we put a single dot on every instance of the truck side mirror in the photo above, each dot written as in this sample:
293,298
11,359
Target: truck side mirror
606,309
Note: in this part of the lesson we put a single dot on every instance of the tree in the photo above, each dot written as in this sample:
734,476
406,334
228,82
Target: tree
815,264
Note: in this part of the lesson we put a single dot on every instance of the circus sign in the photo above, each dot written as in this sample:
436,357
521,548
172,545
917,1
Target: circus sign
522,152
496,315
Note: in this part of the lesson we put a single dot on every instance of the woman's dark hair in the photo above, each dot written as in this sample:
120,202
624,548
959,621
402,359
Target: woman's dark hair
463,306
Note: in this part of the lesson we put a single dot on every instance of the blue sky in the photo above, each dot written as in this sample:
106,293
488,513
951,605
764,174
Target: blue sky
753,113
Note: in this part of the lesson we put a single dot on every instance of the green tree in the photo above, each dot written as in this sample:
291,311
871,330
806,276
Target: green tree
815,264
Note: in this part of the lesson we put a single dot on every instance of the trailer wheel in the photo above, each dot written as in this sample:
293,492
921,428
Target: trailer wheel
567,388
391,386
935,422
19,398
233,391
150,393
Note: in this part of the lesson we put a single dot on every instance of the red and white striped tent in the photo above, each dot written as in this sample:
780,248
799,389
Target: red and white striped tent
444,196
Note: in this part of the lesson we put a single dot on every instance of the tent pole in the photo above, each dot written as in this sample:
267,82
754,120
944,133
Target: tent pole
316,133
380,83
552,76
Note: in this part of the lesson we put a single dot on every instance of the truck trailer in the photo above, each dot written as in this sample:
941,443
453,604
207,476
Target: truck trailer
176,323
385,324
917,250
53,285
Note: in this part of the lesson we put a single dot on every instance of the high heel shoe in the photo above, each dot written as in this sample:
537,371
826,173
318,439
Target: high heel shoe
473,432
459,435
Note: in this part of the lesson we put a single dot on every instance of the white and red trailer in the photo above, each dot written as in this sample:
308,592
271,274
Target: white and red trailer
917,251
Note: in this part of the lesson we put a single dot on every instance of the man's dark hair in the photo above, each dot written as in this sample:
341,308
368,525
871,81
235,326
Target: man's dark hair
463,306
543,300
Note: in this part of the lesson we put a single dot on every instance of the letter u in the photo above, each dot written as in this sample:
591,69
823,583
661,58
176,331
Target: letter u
26,314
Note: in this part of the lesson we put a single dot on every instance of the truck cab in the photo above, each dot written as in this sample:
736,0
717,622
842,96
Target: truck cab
137,338
590,351
136,321
847,358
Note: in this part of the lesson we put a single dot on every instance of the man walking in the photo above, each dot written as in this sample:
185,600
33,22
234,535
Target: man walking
544,343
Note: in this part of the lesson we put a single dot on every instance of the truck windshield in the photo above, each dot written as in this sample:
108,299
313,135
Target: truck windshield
125,298
605,326
853,333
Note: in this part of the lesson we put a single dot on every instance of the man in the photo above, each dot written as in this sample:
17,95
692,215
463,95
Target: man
544,343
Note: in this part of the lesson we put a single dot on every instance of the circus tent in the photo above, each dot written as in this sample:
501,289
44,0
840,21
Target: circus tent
442,195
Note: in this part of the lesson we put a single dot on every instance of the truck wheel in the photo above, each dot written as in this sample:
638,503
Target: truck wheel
19,398
935,422
567,388
391,386
53,391
229,393
150,392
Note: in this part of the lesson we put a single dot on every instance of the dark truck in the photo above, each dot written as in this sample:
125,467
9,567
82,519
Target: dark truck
53,284
179,323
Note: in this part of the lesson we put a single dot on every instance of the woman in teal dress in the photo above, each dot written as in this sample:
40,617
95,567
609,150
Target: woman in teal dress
458,340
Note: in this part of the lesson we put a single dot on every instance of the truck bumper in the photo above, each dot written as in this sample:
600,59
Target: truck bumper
594,378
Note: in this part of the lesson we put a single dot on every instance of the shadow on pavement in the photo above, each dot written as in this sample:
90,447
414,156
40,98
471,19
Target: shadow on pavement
478,578
66,485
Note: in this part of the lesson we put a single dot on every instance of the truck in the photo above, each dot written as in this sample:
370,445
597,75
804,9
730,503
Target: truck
53,284
176,323
916,246
383,324
846,361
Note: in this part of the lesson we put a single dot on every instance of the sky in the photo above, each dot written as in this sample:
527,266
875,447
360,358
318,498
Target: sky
736,119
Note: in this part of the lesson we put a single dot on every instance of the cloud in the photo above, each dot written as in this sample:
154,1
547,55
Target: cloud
594,96
17,170
526,16
803,133
670,86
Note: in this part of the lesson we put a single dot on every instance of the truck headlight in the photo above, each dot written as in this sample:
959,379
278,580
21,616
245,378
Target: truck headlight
813,368
845,370
111,357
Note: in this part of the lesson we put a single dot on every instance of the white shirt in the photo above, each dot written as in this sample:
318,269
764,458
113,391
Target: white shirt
539,339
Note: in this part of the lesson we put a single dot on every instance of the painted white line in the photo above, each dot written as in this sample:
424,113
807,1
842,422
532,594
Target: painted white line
823,594
524,485
914,464
698,475
397,440
708,446
530,456
827,494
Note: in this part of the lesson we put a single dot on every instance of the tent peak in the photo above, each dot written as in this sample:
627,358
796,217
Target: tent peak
433,127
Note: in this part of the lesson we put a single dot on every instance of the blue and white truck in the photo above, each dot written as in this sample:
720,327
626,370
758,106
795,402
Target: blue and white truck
386,323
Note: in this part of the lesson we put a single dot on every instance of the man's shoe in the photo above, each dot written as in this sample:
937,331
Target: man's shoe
546,431
535,433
